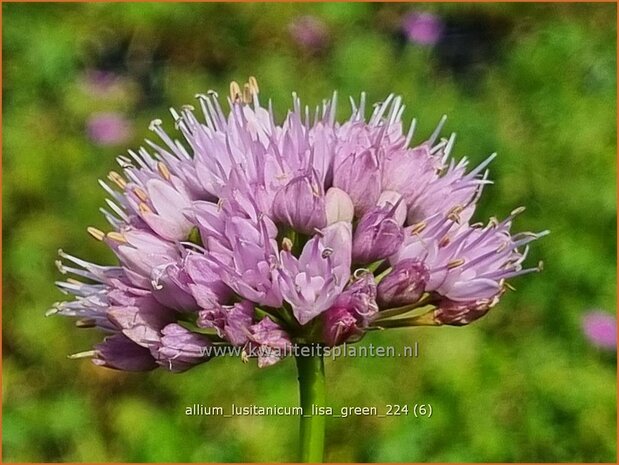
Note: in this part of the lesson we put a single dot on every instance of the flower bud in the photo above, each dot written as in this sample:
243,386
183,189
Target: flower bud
121,353
180,349
231,322
359,175
339,325
339,206
272,341
404,285
450,312
351,312
390,199
300,204
377,236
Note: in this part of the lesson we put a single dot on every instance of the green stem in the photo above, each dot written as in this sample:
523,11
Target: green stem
312,394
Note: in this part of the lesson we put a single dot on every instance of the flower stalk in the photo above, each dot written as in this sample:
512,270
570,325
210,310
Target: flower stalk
311,371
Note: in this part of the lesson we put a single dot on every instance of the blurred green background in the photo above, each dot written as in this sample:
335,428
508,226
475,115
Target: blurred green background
534,82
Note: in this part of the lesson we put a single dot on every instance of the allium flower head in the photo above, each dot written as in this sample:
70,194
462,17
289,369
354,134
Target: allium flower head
600,328
109,129
423,28
258,234
309,32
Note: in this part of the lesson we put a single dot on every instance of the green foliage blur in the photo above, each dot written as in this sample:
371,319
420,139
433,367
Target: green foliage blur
534,82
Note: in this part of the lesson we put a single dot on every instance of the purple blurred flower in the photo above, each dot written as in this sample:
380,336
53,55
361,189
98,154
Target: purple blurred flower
109,129
258,235
600,328
309,32
422,28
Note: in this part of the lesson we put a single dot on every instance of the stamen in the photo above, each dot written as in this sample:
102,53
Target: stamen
116,236
509,286
85,354
235,91
444,241
117,179
155,124
86,323
52,311
419,227
139,192
60,267
96,233
247,93
253,84
438,130
454,213
287,244
455,263
144,209
163,170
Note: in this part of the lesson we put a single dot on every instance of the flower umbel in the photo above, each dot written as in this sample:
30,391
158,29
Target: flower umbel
257,234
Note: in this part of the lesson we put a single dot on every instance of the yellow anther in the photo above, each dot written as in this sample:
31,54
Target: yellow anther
117,179
139,192
235,91
454,213
96,233
247,95
144,208
287,244
455,263
116,236
419,227
253,84
163,171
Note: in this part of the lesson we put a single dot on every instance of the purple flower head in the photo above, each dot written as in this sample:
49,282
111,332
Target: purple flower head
309,32
257,234
109,129
600,328
423,28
